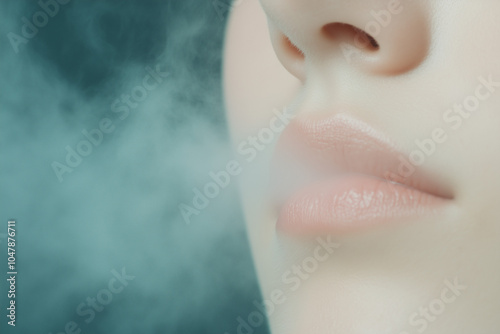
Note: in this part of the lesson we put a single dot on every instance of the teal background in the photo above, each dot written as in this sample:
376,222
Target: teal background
119,207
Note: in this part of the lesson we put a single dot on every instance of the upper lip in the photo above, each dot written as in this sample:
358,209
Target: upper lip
316,147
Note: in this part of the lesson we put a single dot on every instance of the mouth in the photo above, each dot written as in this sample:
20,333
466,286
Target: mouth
336,174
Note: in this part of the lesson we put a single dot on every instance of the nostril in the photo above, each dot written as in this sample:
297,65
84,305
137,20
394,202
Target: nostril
369,42
291,48
290,56
347,33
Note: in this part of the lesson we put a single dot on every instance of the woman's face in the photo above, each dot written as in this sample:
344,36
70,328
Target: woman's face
369,137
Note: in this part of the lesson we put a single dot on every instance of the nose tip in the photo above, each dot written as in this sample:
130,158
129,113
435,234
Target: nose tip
379,37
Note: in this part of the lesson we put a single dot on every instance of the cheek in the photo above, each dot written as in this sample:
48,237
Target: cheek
255,82
467,37
468,42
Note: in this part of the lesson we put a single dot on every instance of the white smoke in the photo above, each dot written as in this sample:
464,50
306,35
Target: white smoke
118,207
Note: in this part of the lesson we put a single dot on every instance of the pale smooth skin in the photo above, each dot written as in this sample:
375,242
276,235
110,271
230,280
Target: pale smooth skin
429,59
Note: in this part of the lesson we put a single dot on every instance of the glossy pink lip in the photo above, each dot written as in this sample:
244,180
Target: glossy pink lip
336,174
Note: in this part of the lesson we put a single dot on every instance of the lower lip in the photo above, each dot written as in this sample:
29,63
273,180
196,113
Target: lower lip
352,203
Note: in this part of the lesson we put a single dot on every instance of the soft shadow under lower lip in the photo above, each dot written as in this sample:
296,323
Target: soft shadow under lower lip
353,203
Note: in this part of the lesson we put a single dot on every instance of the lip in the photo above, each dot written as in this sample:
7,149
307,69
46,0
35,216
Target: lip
336,174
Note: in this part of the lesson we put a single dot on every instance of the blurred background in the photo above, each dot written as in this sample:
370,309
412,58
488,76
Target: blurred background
111,116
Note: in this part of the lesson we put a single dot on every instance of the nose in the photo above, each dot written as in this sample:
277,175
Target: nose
378,36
